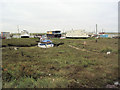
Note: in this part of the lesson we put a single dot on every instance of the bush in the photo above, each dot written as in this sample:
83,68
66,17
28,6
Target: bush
105,50
88,62
21,42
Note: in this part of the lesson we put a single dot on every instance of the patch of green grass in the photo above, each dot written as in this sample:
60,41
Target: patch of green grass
87,63
26,82
52,82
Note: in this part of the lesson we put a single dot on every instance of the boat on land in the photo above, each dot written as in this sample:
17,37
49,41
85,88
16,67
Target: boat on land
45,44
25,34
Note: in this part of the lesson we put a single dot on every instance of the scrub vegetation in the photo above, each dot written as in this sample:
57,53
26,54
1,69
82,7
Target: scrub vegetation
85,66
20,42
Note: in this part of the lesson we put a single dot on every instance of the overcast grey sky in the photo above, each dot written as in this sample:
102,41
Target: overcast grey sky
43,15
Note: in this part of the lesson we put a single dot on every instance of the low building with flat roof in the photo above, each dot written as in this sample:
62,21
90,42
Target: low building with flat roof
54,34
5,35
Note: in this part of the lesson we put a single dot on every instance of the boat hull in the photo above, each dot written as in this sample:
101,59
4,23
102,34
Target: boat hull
45,45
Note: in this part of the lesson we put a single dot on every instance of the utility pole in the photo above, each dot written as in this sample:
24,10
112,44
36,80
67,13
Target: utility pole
102,30
96,29
18,30
96,33
72,29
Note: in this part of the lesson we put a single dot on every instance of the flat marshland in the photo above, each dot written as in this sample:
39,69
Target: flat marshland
70,65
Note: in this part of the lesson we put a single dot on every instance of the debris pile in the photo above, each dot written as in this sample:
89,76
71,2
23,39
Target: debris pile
115,85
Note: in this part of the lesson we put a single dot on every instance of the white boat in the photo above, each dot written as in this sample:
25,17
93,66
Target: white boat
62,37
24,34
77,34
45,45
